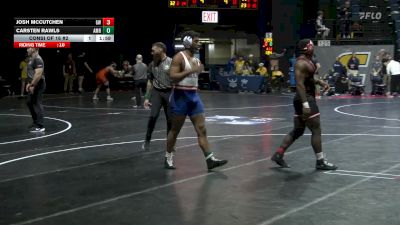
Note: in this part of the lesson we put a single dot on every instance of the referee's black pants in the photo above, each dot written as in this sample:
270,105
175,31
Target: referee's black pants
159,98
34,102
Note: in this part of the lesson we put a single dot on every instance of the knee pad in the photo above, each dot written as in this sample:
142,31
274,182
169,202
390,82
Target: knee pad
106,85
297,132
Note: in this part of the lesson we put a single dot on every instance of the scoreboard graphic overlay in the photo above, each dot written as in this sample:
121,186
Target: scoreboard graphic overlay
60,32
214,4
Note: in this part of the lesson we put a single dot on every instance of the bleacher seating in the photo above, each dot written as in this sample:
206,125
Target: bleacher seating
370,21
395,14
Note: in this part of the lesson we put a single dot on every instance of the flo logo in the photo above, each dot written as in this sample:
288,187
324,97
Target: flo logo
363,57
370,15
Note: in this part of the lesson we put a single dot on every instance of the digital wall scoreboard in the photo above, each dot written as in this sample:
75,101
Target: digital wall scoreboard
60,32
268,44
214,4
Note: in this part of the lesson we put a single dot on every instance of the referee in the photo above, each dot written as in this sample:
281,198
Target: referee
35,88
158,89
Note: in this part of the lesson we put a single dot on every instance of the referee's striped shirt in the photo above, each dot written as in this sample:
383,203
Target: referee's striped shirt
159,74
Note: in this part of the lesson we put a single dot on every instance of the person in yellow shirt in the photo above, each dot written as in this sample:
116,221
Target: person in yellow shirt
24,73
262,70
239,63
277,79
247,70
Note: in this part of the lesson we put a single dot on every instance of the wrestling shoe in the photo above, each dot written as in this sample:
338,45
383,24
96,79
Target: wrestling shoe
323,164
169,161
213,162
278,159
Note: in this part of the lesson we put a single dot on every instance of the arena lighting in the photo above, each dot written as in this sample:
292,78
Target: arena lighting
179,46
202,40
206,40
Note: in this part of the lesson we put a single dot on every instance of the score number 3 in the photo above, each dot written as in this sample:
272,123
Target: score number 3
108,21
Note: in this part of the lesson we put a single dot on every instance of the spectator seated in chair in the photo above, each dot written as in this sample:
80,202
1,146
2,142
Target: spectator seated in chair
378,87
261,70
247,69
322,30
331,79
342,83
357,86
277,79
